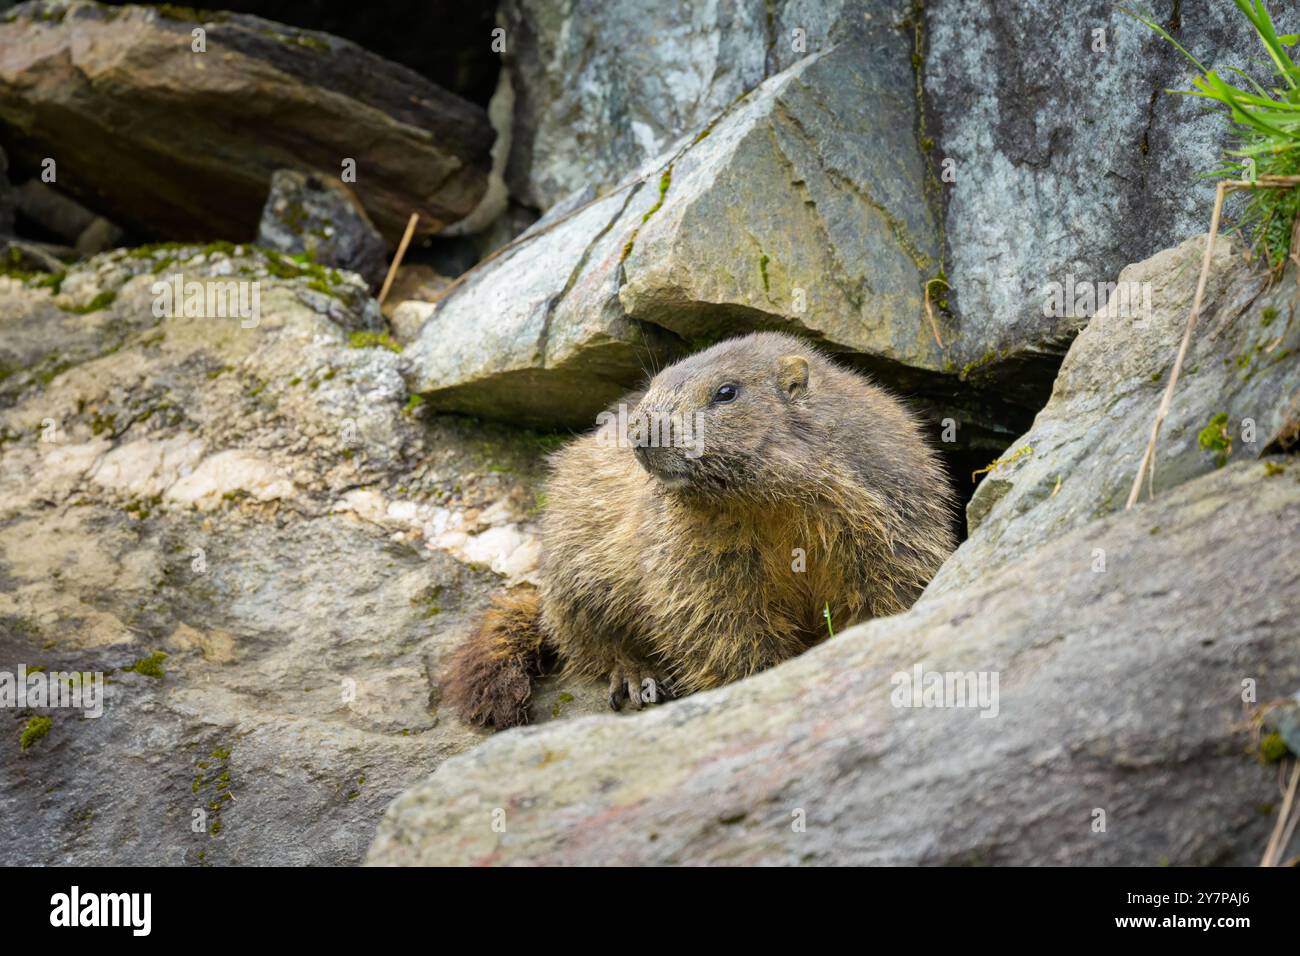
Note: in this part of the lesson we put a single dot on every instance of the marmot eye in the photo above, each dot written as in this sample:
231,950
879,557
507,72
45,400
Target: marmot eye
725,393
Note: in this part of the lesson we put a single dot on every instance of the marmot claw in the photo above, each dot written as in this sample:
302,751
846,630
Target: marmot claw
634,685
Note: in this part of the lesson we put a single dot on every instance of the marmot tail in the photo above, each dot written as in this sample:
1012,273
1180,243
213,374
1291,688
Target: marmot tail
489,681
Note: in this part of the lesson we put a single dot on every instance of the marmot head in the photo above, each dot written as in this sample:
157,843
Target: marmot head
731,420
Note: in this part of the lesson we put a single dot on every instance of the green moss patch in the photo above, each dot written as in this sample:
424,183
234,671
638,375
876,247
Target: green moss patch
1214,438
101,301
1272,748
35,729
970,368
150,666
373,340
665,181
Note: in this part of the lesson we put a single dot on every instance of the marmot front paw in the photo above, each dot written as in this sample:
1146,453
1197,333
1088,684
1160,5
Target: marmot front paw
634,684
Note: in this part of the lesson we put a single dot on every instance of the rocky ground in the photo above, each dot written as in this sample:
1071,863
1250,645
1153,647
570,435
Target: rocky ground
268,526
266,507
1119,692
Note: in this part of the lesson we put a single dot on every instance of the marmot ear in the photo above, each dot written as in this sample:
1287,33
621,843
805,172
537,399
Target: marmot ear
792,373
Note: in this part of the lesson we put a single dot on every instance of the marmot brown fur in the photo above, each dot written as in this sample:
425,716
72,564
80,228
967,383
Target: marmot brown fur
681,558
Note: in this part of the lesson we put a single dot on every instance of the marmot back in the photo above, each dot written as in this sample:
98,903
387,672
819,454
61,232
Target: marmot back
710,524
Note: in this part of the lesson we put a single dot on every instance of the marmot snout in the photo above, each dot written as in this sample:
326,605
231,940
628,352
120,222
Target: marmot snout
710,525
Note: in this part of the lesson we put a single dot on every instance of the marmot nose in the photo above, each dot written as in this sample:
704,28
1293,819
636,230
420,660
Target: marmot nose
657,461
649,429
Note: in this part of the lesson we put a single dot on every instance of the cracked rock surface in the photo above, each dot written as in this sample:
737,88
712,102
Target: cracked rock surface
1068,156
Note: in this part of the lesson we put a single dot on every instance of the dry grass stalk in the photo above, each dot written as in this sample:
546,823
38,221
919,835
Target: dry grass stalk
397,259
1287,818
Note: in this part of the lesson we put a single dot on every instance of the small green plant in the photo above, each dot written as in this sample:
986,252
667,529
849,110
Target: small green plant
1266,125
1019,453
826,613
1215,438
37,727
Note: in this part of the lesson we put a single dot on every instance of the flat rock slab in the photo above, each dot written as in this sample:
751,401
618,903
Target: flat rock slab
1118,692
181,144
802,206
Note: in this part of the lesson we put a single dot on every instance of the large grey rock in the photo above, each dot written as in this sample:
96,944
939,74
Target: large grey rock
255,501
605,86
1117,692
1035,174
1066,159
802,206
1238,398
320,218
182,144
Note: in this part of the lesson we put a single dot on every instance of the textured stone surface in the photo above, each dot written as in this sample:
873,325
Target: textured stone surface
538,335
258,503
309,215
1066,159
1079,459
606,86
415,288
182,145
1118,691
